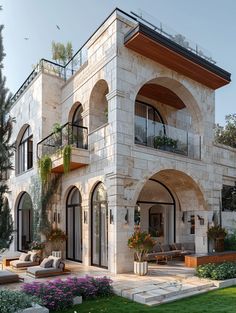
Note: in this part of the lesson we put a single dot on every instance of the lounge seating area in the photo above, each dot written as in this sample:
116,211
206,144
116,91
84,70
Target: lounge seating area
165,252
25,260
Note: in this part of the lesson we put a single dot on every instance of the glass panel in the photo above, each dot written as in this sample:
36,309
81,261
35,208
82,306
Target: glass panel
95,234
140,123
70,240
30,153
104,233
77,118
150,126
78,233
74,197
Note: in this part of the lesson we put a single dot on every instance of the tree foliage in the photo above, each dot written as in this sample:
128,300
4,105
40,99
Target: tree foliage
227,134
6,152
62,53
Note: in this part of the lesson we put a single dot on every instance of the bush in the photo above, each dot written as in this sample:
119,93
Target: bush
222,271
58,294
11,301
230,242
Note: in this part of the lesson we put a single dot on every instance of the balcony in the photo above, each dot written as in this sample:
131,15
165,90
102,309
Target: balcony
53,145
168,138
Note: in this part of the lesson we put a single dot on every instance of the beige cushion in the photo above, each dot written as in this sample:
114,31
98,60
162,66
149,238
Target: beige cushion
46,263
8,277
19,264
33,256
56,261
37,270
24,257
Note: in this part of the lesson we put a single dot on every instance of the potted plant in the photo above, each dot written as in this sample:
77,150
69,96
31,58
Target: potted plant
57,237
164,143
217,234
142,243
37,247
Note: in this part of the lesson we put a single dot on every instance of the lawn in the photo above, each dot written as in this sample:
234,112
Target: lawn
219,301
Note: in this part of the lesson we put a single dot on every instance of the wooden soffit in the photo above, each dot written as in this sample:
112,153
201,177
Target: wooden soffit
157,47
161,94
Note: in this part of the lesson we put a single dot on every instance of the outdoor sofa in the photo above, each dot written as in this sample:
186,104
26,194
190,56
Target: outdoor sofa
51,266
25,260
7,277
165,252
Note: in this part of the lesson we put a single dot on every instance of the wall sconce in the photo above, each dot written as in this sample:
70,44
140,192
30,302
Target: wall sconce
127,217
184,217
201,219
56,217
85,217
111,217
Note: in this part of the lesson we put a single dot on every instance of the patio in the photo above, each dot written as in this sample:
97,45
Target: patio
163,283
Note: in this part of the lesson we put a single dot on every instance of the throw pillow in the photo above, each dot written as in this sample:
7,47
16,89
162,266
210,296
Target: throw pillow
24,257
56,261
46,263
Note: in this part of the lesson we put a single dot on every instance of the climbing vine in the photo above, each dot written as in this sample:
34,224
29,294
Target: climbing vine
66,158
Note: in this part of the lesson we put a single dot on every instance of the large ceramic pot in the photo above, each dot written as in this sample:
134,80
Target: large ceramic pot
140,268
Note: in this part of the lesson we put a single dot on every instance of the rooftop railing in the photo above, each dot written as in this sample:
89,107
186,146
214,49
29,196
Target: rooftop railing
68,134
62,71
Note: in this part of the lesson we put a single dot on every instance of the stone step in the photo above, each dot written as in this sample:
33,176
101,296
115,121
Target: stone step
181,296
164,292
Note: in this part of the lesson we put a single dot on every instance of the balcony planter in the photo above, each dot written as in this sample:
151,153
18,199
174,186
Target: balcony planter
36,308
165,143
140,268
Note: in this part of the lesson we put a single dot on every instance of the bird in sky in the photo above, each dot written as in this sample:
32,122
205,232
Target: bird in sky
26,38
58,27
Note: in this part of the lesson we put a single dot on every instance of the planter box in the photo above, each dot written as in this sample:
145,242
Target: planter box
57,254
77,300
140,268
36,308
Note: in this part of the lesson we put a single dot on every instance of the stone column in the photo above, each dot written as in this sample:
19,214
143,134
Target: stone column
201,226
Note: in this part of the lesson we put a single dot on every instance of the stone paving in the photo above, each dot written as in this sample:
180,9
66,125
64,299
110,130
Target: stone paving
164,283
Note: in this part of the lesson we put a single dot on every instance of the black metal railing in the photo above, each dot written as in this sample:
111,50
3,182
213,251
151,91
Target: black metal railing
68,134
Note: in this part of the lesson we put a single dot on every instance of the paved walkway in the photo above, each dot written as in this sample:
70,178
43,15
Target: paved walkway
164,283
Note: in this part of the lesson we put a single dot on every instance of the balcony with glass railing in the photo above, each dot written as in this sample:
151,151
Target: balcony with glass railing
167,138
68,135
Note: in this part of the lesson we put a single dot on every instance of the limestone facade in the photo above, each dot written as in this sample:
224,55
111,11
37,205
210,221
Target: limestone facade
112,77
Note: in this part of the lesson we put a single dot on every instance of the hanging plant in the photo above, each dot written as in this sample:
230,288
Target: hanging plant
66,158
45,167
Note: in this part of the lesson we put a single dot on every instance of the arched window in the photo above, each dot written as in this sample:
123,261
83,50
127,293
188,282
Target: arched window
74,226
25,151
77,116
24,222
99,226
148,123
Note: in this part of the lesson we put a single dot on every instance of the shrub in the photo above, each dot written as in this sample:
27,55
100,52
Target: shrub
230,241
12,301
221,271
58,294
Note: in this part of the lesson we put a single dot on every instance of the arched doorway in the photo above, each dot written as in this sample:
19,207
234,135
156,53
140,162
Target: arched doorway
74,226
157,210
99,227
24,222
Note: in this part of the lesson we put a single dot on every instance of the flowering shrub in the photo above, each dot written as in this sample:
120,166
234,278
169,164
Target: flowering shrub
12,301
58,294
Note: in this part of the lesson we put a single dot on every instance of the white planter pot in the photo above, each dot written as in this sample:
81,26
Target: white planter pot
36,308
77,300
141,268
57,254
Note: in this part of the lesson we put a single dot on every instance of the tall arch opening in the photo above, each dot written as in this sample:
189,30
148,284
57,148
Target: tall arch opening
24,222
74,244
99,226
24,150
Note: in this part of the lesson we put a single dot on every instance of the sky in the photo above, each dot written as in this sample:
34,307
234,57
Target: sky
210,23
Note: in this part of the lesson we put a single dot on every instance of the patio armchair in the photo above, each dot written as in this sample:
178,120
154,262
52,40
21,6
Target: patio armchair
51,266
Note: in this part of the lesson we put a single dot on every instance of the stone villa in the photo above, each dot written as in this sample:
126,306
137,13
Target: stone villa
140,105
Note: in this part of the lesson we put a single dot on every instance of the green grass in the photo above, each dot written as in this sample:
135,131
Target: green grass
219,301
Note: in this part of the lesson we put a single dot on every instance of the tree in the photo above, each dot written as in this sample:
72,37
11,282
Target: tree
62,53
6,152
227,134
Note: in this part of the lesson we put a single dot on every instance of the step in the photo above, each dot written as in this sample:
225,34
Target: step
165,292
